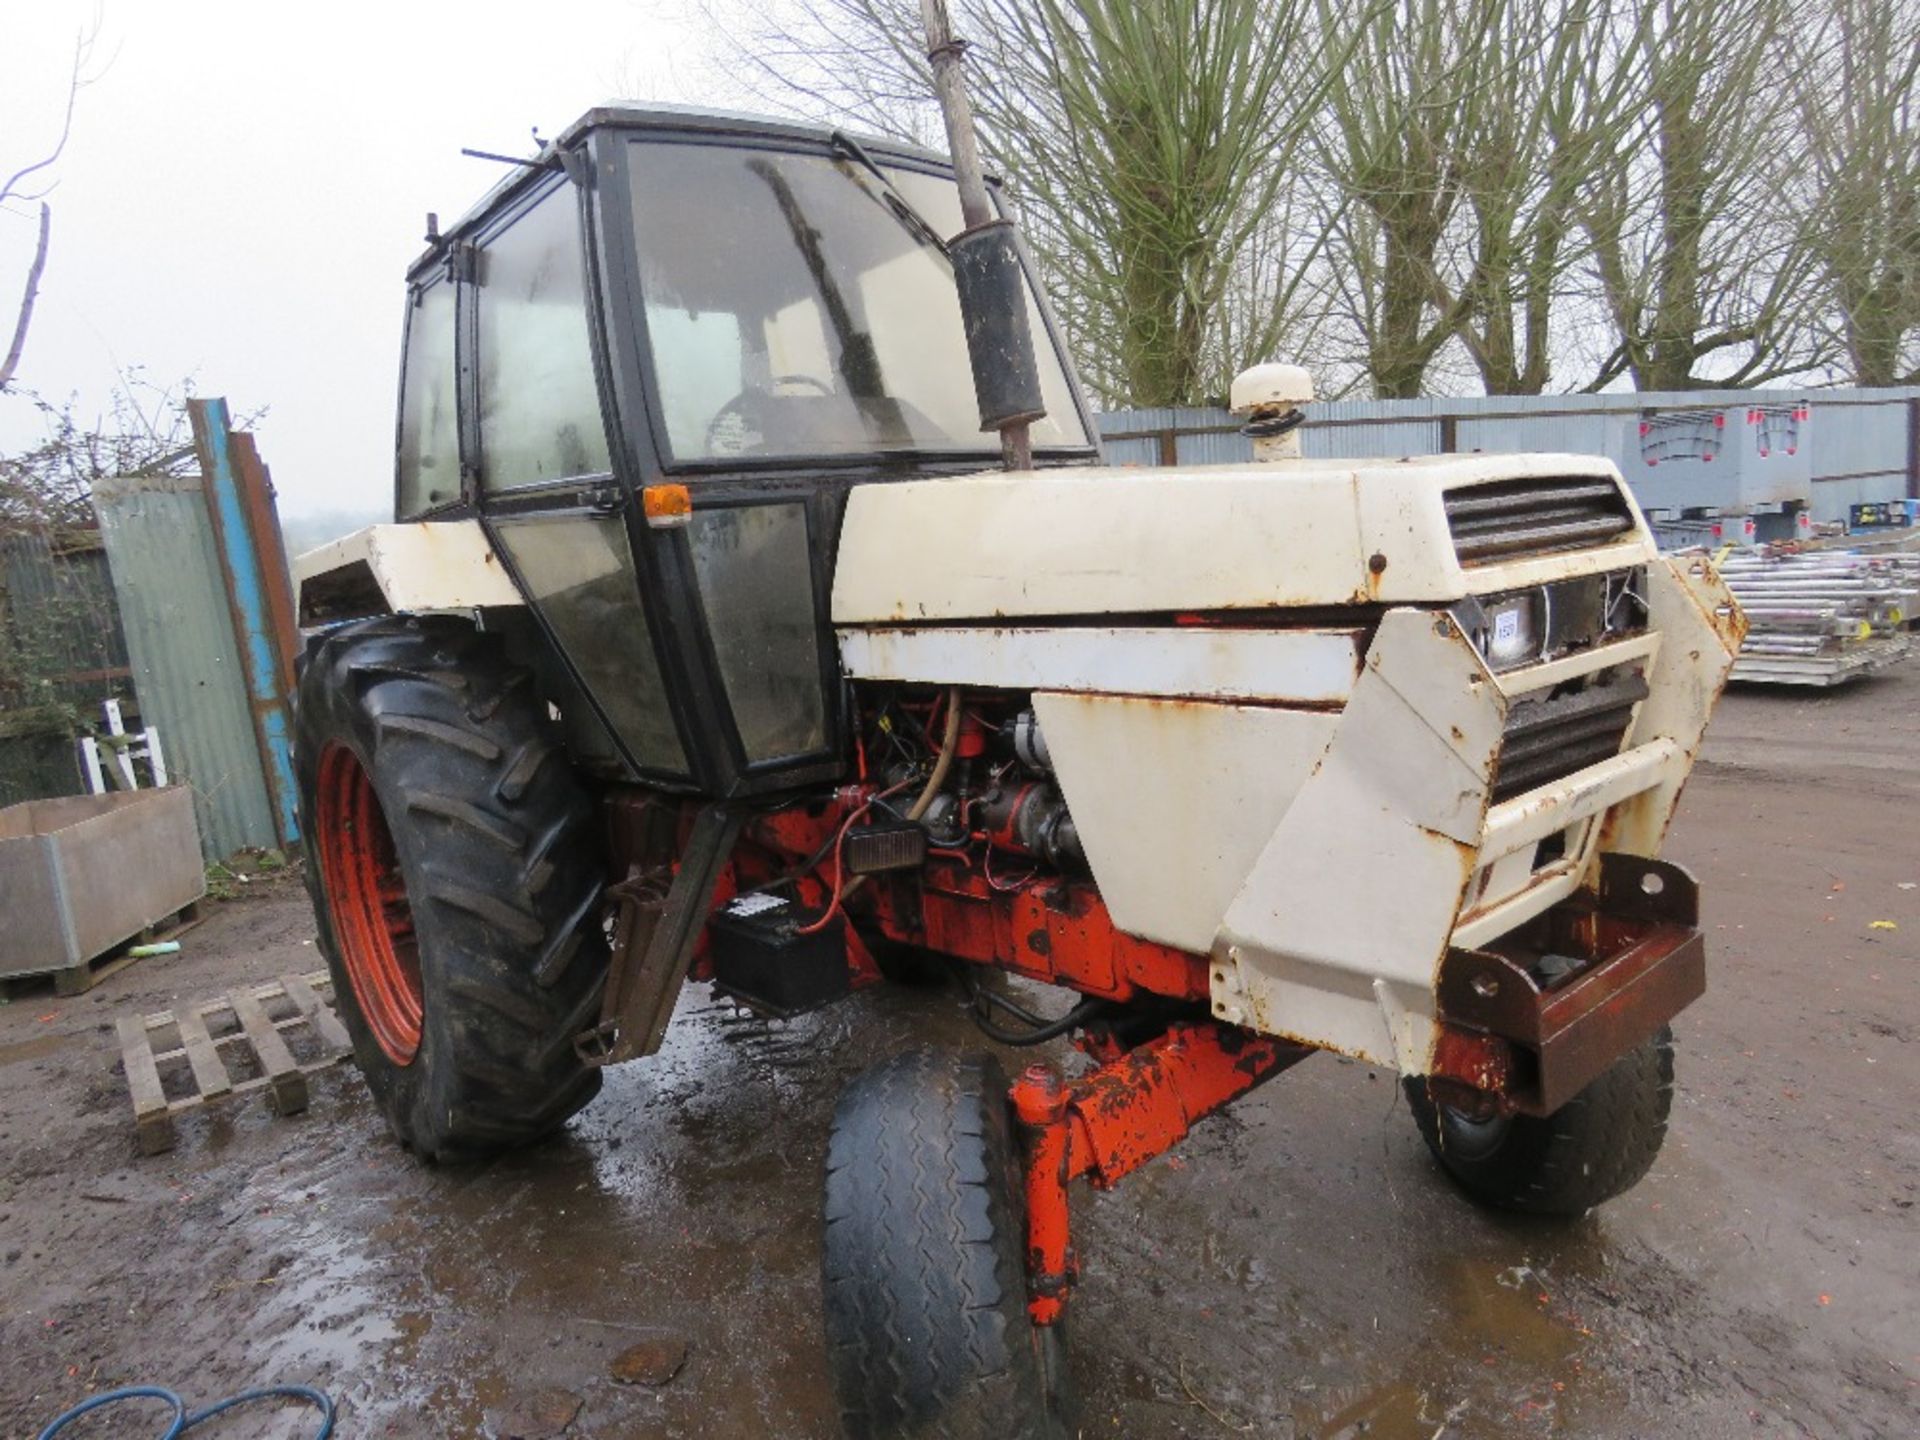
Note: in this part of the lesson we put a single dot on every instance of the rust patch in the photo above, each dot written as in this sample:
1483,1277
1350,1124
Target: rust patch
1464,851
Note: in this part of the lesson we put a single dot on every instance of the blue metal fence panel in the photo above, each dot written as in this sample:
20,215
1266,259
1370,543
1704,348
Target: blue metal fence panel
1131,450
247,593
1578,432
1214,446
1346,437
187,668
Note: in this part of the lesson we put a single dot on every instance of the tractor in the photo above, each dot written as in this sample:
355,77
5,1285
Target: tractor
758,612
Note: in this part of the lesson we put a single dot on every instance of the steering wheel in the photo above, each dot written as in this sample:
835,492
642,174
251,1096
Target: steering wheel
734,413
730,431
814,380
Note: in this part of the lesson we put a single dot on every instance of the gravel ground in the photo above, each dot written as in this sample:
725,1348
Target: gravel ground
1297,1269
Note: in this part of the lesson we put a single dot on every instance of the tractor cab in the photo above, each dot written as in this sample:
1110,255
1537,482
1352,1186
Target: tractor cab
652,363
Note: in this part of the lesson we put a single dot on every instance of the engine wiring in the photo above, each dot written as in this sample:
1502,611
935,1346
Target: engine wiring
839,871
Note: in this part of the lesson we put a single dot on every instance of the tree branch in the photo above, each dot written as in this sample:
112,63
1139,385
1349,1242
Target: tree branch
81,47
34,271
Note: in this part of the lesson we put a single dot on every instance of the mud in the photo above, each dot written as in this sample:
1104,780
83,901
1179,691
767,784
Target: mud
1298,1269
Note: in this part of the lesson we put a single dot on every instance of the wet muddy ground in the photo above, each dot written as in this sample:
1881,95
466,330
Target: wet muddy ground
1297,1269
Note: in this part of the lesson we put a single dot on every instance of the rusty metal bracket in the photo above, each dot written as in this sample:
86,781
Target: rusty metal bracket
663,909
1641,961
1114,1119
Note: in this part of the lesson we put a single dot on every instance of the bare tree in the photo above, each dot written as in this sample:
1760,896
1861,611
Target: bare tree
145,430
1859,104
27,185
1677,193
1545,110
1152,148
1414,87
1696,256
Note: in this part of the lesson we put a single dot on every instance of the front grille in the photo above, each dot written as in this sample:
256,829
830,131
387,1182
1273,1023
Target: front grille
1549,739
1511,519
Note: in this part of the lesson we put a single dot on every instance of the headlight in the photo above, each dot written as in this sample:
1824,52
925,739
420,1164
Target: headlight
1523,627
1514,630
1507,630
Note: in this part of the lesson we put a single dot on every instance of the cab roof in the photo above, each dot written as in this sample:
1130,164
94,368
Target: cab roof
660,117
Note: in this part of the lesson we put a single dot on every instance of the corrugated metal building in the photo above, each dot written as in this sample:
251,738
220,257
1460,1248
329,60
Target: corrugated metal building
185,659
1851,446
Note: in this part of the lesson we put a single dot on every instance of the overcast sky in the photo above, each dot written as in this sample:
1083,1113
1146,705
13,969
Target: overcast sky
246,184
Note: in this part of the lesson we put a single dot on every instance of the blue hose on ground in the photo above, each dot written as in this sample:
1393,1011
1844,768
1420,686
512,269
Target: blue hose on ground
185,1420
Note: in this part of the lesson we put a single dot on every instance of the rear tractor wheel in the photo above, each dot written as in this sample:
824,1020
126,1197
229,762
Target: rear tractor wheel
924,1262
1598,1145
456,877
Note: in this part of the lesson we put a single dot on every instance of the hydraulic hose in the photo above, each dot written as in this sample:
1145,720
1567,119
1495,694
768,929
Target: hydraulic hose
949,745
185,1420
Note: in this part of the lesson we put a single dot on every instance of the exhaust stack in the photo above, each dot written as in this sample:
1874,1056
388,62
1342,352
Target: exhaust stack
986,264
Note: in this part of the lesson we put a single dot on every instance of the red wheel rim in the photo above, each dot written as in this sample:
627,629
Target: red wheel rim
367,902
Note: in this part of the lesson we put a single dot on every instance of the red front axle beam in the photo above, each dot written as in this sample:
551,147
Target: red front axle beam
1114,1119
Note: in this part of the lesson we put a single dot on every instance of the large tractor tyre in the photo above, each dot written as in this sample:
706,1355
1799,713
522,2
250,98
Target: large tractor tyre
457,875
1598,1145
924,1268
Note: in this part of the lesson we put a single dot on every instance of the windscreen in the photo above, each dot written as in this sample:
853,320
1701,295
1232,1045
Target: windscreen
793,312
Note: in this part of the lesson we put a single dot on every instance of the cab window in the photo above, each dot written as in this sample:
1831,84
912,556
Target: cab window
539,409
429,454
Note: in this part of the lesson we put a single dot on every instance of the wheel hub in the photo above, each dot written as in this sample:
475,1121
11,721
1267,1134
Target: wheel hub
367,903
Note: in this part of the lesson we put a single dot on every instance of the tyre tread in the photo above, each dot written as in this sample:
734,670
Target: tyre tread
922,1265
1597,1146
504,874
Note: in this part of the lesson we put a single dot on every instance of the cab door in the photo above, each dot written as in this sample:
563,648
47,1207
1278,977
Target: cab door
538,462
704,648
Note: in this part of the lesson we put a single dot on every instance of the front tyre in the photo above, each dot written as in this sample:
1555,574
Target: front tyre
456,879
924,1268
1598,1145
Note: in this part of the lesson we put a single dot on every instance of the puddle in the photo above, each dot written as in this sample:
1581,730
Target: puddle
1505,1356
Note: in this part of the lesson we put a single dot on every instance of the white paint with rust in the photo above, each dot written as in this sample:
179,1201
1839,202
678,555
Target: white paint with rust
1174,801
1116,542
1299,667
1327,859
422,566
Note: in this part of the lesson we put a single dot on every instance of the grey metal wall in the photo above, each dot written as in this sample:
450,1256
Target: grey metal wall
173,606
1857,441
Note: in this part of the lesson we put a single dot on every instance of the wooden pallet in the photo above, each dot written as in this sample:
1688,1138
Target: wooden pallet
258,1026
78,979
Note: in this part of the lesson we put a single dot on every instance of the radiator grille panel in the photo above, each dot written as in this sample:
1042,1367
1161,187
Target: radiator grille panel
1512,519
1548,740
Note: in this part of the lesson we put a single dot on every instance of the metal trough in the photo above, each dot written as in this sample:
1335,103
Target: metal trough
80,874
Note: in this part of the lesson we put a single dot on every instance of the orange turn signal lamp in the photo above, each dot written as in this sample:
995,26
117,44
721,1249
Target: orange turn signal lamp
667,507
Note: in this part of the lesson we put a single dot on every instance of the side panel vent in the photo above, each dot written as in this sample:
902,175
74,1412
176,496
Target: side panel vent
1548,740
1513,519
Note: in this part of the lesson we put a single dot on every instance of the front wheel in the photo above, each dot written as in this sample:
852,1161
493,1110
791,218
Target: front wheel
456,877
1598,1145
924,1268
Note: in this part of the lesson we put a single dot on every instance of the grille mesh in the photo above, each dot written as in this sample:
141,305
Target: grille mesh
1512,519
1548,740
